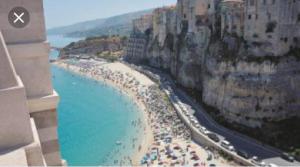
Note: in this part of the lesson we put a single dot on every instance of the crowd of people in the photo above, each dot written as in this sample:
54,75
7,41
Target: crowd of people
171,144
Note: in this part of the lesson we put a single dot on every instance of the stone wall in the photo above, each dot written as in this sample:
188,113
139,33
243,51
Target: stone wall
211,48
271,27
232,15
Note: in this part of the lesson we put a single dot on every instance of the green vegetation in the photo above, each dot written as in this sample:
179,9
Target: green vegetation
260,60
293,53
225,156
107,55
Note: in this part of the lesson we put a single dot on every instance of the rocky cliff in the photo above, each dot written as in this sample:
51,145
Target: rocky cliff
245,88
251,90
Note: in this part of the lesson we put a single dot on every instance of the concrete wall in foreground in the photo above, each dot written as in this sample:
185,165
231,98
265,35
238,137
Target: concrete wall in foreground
27,46
15,129
33,32
29,52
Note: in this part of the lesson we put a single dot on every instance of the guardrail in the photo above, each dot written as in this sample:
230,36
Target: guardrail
197,136
202,139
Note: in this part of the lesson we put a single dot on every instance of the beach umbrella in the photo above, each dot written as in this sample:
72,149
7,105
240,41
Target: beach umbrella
196,164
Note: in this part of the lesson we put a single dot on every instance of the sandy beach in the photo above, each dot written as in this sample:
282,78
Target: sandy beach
166,141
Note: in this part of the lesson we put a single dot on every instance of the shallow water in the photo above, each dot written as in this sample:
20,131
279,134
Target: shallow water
92,117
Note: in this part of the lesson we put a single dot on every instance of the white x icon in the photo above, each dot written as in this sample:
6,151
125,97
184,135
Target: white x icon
19,17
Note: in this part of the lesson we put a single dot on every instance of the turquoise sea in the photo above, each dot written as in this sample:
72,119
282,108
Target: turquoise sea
92,117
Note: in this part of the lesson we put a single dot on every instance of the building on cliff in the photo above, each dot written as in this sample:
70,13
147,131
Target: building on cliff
143,23
193,13
28,117
135,49
164,21
232,16
272,26
242,72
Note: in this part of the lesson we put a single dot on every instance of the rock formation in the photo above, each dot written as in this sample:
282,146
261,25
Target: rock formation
243,56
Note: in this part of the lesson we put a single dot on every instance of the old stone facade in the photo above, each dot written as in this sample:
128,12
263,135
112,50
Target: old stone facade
135,49
232,17
241,55
164,20
142,24
272,26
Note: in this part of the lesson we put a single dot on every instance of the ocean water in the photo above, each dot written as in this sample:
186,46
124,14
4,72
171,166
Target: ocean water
59,41
92,118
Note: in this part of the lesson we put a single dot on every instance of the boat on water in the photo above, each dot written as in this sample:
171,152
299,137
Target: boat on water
118,143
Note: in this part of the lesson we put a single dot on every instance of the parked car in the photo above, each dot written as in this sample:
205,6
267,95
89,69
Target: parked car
262,163
243,154
226,144
255,160
204,130
287,157
213,137
272,165
258,162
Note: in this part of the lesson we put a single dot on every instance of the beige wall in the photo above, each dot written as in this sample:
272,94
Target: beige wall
33,32
15,122
34,97
7,73
27,47
32,64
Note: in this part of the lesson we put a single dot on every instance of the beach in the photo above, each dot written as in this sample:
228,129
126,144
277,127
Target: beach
165,138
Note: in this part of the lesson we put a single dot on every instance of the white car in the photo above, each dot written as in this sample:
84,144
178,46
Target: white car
257,162
204,131
272,165
226,144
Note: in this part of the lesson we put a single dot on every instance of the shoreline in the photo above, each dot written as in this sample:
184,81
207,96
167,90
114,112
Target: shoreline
166,140
147,136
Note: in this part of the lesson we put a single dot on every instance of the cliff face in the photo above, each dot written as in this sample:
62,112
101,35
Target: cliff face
182,55
246,88
252,90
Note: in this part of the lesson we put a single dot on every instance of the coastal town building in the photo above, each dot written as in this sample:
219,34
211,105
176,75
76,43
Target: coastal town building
203,13
28,117
193,13
164,21
182,10
272,24
232,16
135,49
143,23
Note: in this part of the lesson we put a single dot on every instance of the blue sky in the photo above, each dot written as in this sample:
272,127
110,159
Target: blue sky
66,12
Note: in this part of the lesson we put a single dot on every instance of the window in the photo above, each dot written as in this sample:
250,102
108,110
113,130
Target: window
264,2
208,6
256,16
271,27
274,1
269,16
251,2
295,39
249,16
